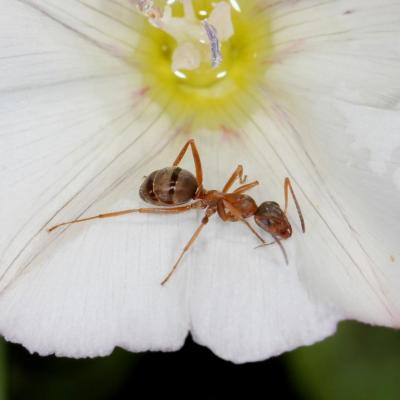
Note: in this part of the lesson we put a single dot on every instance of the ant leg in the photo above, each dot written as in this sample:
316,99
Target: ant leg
245,188
204,222
161,210
197,161
288,186
237,173
236,213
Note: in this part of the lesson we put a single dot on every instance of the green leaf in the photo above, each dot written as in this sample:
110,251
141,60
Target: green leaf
359,363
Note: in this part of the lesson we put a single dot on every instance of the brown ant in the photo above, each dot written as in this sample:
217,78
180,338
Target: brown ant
172,187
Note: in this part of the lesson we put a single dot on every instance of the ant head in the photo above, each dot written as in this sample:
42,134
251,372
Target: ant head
272,219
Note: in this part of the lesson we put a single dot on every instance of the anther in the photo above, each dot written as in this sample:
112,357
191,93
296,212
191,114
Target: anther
216,56
147,8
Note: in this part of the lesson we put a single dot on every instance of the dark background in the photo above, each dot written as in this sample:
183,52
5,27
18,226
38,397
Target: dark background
359,363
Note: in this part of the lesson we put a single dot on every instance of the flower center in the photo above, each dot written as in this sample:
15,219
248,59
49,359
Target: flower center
196,75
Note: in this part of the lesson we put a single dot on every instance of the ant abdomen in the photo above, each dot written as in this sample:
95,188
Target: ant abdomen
169,186
272,219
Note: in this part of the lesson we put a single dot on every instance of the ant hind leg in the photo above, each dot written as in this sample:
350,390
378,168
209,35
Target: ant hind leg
196,159
159,210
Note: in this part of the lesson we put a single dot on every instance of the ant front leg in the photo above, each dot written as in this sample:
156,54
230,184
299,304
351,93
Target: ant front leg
287,187
246,188
197,161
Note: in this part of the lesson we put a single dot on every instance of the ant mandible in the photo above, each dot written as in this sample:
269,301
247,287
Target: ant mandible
172,187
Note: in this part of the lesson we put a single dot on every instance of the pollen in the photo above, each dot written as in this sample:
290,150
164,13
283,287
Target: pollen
202,58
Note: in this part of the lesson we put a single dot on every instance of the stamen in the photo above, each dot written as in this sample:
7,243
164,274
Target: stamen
216,56
147,8
190,33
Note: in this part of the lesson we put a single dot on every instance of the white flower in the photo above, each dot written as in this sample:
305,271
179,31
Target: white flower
80,129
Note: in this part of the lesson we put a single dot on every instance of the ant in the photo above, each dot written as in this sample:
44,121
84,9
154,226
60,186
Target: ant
172,187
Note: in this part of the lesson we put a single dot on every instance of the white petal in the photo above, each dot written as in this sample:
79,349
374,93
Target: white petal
338,257
346,50
112,26
246,304
333,83
98,287
72,131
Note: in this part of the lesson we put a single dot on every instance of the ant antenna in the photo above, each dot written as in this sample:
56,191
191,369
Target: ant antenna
289,185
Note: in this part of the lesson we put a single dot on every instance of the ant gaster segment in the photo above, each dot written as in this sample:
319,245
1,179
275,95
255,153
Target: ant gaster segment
172,187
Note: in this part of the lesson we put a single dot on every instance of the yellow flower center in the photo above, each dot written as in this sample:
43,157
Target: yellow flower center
207,96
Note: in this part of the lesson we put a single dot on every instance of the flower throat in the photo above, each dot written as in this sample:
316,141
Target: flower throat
196,76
